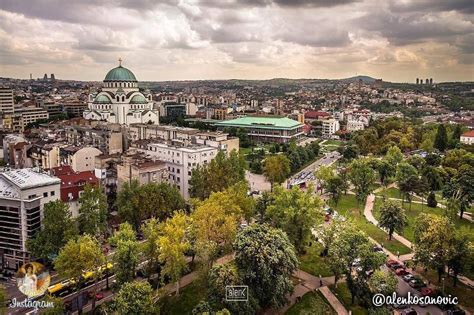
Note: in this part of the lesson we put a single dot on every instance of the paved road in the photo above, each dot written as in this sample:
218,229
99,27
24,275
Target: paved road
307,174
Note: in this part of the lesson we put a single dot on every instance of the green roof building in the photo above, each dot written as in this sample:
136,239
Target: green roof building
266,129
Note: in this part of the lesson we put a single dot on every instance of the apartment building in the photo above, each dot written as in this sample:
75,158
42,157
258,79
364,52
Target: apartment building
136,166
180,158
354,125
6,101
23,194
21,117
330,127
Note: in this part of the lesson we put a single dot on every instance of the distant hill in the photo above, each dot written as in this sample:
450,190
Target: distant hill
364,78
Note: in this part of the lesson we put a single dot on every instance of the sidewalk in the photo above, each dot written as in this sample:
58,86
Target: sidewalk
332,299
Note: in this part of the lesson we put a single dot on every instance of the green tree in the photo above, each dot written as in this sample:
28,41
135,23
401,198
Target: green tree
462,253
3,300
127,253
173,244
383,281
57,228
129,204
334,186
433,241
431,201
216,219
348,247
136,297
392,218
220,276
407,179
92,217
276,169
221,173
362,176
296,212
266,263
461,188
150,248
78,256
441,139
160,200
58,306
394,156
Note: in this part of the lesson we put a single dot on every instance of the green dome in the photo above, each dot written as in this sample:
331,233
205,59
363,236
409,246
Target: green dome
138,99
102,99
120,74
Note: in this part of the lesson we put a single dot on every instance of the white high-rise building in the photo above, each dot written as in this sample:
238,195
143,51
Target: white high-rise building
6,101
181,160
120,100
23,194
330,127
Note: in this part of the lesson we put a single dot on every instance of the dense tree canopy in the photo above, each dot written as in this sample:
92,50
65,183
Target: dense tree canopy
221,173
57,228
266,260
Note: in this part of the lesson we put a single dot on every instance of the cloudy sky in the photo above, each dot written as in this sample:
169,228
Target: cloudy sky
397,40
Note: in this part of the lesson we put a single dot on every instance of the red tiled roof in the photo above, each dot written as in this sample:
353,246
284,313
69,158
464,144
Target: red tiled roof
62,170
469,134
315,114
72,183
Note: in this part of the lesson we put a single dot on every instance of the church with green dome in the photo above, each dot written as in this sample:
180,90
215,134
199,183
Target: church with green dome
120,100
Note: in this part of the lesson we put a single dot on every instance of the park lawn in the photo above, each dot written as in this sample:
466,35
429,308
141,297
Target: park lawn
349,208
344,295
463,292
332,143
393,192
188,298
313,263
417,209
312,302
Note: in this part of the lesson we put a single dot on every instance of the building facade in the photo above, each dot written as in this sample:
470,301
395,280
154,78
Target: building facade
23,194
266,129
120,100
6,101
330,127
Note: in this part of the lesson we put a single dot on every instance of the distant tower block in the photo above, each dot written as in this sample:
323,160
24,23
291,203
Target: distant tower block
431,81
45,77
417,81
52,76
31,76
427,81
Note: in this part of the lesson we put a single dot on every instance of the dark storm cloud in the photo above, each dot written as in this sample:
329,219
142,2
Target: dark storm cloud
463,6
313,3
283,3
402,29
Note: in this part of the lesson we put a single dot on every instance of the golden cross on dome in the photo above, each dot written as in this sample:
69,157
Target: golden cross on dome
120,62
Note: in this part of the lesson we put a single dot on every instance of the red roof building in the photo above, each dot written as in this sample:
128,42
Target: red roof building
72,183
313,114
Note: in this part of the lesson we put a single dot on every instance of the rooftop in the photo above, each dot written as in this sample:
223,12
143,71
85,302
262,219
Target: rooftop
28,178
469,133
261,122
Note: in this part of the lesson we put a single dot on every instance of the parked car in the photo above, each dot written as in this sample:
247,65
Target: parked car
396,266
401,271
391,262
416,283
427,292
99,296
407,277
409,311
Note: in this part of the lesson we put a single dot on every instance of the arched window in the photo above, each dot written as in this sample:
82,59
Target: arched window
117,98
123,98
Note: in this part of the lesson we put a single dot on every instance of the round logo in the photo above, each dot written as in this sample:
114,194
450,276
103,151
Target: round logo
33,279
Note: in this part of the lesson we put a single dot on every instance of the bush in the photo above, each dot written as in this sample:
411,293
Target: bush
431,201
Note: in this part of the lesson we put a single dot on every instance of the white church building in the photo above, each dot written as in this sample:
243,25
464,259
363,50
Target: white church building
120,101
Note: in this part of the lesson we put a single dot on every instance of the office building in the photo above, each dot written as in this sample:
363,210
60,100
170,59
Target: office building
6,101
23,194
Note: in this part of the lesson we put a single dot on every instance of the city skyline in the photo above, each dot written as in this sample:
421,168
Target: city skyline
203,40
